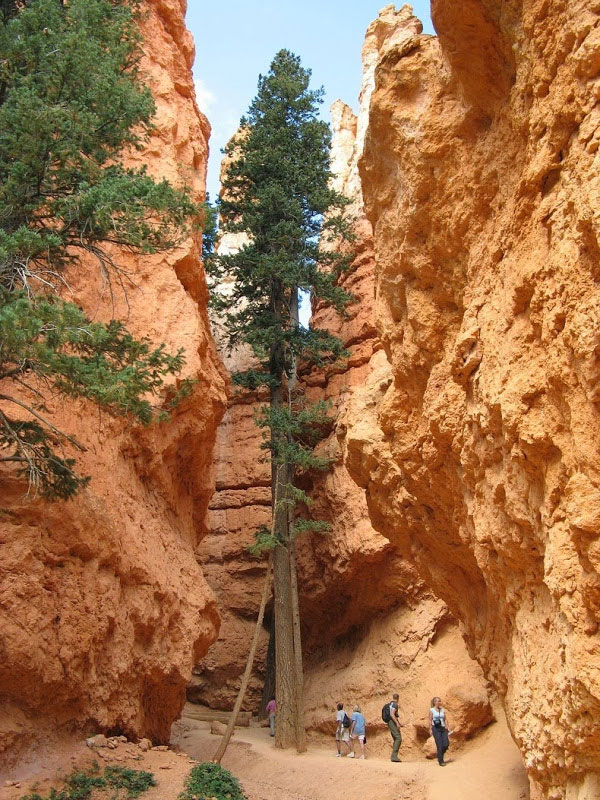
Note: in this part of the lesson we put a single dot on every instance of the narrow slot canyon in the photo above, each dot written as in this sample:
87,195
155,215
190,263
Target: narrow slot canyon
463,487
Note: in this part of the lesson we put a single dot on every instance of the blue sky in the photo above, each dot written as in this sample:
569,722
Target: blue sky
237,39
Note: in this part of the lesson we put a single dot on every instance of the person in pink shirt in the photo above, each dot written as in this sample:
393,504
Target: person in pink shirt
271,711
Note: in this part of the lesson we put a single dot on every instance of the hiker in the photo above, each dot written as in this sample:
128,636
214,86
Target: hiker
438,721
358,730
389,714
271,711
342,731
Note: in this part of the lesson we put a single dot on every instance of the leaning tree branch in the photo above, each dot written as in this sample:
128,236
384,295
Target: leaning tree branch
249,663
44,421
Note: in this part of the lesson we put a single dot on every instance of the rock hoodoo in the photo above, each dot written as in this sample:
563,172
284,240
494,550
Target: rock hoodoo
480,179
103,607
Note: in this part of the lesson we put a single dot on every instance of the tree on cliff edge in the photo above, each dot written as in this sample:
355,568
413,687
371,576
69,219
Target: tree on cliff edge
71,103
277,191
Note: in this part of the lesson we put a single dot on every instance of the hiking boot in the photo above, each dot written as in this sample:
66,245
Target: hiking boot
350,755
396,760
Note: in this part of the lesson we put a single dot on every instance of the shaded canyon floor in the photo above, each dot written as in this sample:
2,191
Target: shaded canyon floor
490,767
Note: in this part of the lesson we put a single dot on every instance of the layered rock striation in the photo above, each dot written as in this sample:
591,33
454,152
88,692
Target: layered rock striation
477,451
103,607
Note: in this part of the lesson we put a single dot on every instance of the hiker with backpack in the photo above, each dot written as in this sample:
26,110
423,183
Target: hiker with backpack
342,731
389,714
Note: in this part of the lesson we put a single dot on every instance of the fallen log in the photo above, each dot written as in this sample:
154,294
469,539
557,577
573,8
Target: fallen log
208,715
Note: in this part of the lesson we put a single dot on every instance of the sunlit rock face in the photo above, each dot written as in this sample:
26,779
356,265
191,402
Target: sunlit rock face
103,607
478,451
370,625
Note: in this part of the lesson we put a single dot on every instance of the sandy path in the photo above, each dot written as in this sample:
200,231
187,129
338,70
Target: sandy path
489,768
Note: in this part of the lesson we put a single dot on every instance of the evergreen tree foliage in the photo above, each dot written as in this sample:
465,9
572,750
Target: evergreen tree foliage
72,104
277,190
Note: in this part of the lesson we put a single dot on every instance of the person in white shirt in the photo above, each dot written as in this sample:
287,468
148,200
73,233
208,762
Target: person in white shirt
438,721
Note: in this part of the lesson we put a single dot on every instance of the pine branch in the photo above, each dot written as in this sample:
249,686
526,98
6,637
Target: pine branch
56,431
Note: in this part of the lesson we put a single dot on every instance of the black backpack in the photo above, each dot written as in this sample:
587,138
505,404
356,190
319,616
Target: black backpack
386,713
346,721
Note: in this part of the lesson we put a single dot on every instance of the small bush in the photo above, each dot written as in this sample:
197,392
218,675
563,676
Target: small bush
79,784
134,781
211,781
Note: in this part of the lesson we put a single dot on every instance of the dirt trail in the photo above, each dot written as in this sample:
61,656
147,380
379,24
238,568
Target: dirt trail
491,767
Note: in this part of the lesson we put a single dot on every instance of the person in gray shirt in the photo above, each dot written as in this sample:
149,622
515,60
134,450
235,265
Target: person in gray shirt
394,726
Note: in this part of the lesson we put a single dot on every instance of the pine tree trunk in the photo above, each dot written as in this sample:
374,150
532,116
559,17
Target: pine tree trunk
295,606
285,730
300,728
246,677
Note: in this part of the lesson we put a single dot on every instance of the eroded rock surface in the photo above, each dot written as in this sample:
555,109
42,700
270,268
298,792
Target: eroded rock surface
479,458
370,626
103,608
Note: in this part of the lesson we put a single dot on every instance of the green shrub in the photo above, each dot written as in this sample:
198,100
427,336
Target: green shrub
134,781
211,781
79,784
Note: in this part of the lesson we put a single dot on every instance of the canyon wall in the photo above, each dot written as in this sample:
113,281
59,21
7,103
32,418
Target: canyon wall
476,439
370,625
103,607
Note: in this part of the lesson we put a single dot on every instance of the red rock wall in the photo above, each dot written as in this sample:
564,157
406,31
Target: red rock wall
370,626
103,607
480,459
240,504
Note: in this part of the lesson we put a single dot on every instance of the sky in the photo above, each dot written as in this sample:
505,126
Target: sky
236,40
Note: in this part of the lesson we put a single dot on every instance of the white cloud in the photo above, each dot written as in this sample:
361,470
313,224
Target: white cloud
204,97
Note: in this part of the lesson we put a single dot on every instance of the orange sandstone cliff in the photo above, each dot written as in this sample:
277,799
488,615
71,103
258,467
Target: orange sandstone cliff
370,625
467,412
478,449
103,608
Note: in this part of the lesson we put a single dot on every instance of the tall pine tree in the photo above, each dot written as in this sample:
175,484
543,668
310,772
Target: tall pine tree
277,190
72,103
